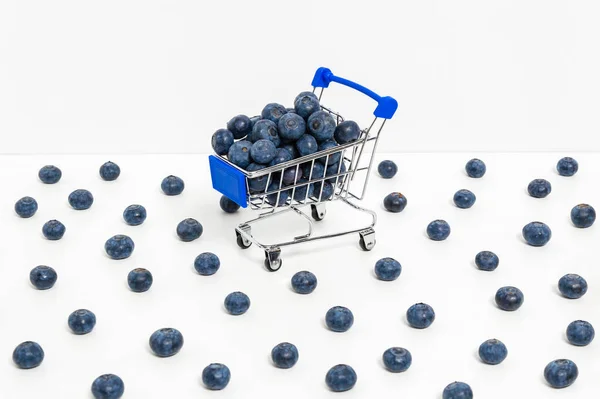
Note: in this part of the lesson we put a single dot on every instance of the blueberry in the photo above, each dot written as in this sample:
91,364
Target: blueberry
537,234
321,125
387,169
539,188
457,390
26,207
216,376
237,303
207,264
228,205
317,171
325,193
221,141
239,153
487,260
304,282
166,342
341,378
395,202
306,104
53,230
291,127
189,229
509,298
583,215
284,195
339,319
108,386
134,215
253,121
81,199
263,151
464,199
43,277
28,355
291,149
292,110
307,145
289,175
273,112
139,280
82,321
240,126
336,169
346,132
567,166
172,185
331,159
257,184
492,352
304,191
265,129
438,230
284,355
387,269
580,333
397,360
50,174
420,315
572,286
561,373
119,247
475,168
282,155
109,171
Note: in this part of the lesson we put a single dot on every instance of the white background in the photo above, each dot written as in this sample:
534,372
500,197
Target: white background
160,76
439,273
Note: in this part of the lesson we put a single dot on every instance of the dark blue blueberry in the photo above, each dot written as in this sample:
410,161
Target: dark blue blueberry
420,315
336,169
53,230
438,230
172,185
475,168
304,282
273,112
284,355
81,199
387,269
325,193
110,171
539,188
108,386
28,355
265,129
339,319
257,184
341,378
572,286
26,207
189,229
272,198
464,199
166,342
240,126
306,104
492,352
509,298
303,191
316,172
537,234
346,132
332,159
583,215
395,202
207,264
397,359
561,373
50,174
237,303
292,110
134,215
580,333
239,153
282,155
216,376
457,390
228,205
321,125
292,149
253,121
567,166
291,127
221,141
139,280
43,277
119,246
289,175
387,169
487,260
82,321
263,151
307,145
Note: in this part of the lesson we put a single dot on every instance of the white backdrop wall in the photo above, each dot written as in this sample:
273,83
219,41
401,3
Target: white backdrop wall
159,76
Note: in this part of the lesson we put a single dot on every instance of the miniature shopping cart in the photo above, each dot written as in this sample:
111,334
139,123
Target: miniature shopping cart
343,177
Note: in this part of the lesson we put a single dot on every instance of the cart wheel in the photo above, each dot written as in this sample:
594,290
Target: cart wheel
318,211
273,267
272,259
366,247
243,243
367,239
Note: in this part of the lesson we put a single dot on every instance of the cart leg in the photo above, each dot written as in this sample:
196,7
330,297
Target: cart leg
242,241
272,259
367,239
318,211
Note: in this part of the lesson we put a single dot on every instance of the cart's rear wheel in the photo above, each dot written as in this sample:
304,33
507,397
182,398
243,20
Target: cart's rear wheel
242,242
273,266
364,245
272,259
318,211
367,239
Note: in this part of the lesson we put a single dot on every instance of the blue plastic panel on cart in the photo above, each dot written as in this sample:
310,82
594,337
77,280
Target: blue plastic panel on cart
228,181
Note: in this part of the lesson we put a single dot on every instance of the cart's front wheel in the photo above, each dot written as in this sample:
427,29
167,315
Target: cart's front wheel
367,239
318,211
242,242
273,266
273,259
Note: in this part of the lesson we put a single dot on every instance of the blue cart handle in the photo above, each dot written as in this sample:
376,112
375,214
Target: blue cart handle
386,106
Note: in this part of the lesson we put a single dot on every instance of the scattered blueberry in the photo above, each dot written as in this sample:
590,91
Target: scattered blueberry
139,280
291,127
397,360
110,171
492,352
263,151
240,126
265,129
420,315
28,355
221,141
119,246
339,319
580,333
81,199
134,215
539,188
387,169
284,195
284,355
53,230
567,166
304,282
475,168
464,199
228,205
26,207
341,378
331,159
172,185
189,229
282,155
583,215
387,269
43,277
82,321
108,386
561,373
457,390
239,153
572,286
346,132
216,376
50,174
207,264
273,112
509,298
438,230
395,202
306,104
166,342
537,234
321,125
307,145
237,303
487,260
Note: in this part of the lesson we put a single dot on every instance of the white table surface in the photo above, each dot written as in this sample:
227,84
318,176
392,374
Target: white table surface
439,273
